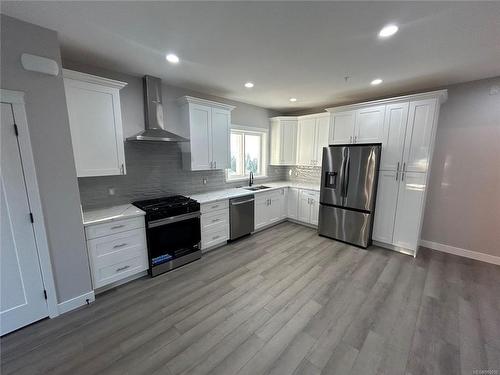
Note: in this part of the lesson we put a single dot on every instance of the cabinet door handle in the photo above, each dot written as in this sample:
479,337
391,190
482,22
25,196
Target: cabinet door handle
120,245
397,171
118,226
404,167
215,163
122,268
350,139
122,169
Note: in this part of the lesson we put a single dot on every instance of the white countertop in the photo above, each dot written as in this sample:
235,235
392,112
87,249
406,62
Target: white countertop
108,214
218,195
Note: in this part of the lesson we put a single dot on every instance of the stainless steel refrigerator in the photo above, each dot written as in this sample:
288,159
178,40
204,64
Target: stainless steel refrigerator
348,191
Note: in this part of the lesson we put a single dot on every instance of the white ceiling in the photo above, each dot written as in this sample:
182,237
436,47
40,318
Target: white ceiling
288,49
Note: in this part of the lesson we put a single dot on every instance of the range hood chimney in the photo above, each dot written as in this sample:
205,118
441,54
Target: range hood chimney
153,110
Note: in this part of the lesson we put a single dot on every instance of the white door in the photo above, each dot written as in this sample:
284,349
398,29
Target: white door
342,127
314,208
22,291
304,207
385,207
306,138
409,210
200,136
396,116
96,128
261,211
221,119
322,133
292,203
276,206
369,124
276,142
419,135
288,142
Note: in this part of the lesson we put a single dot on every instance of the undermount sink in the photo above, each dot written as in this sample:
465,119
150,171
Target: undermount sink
255,188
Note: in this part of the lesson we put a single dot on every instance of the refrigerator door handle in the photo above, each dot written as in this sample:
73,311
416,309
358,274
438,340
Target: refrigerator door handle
346,174
342,174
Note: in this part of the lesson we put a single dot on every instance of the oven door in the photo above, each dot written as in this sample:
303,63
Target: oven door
173,237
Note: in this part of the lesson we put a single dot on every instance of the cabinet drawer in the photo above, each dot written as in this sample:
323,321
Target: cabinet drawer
214,237
113,249
209,207
104,275
106,229
215,220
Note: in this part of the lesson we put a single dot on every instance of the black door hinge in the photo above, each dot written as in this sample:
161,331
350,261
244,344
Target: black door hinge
16,130
45,293
32,218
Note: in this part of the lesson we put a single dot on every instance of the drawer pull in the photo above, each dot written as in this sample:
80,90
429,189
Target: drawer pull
215,206
120,245
215,237
215,220
122,268
118,226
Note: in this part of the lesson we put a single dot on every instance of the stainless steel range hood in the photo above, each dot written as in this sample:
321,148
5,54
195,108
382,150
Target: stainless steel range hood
153,109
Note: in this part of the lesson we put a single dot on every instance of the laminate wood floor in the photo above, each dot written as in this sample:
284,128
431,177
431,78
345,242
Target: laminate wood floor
283,301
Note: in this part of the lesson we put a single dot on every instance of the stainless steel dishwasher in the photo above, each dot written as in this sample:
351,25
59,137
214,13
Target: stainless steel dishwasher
241,216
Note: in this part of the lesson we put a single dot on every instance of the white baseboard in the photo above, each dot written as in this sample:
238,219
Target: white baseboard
461,252
76,302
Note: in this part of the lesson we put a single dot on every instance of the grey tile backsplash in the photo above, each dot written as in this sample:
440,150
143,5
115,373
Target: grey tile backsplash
153,170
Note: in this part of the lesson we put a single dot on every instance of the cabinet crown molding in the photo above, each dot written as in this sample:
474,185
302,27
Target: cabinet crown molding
190,99
297,118
89,78
440,95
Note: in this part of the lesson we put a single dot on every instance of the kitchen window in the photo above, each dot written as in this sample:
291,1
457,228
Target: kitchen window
248,153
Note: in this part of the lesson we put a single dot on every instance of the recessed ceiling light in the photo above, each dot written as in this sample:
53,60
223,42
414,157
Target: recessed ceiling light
376,81
171,58
388,31
293,99
249,85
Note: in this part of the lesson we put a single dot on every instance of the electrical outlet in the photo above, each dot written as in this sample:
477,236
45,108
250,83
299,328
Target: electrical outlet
495,90
204,180
111,191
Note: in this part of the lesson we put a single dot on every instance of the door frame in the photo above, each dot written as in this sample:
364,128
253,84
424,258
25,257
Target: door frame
17,100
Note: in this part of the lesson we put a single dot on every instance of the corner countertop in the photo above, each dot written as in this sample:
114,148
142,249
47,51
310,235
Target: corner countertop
219,195
108,214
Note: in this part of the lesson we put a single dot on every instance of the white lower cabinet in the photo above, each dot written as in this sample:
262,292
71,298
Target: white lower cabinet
214,224
308,207
270,207
117,250
399,208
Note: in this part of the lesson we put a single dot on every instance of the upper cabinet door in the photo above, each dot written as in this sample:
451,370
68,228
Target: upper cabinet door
96,127
322,133
276,143
369,124
342,127
396,116
419,135
288,142
409,210
306,153
200,120
221,119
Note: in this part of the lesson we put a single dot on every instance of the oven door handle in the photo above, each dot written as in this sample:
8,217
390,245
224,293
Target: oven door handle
173,219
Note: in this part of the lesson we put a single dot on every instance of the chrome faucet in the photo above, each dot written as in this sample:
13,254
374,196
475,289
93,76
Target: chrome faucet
250,180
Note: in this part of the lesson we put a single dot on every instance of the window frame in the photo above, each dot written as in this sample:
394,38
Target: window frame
264,134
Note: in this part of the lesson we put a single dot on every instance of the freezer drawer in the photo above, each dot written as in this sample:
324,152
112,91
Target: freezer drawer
345,225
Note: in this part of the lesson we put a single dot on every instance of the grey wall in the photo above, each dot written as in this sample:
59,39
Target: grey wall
155,169
463,200
53,153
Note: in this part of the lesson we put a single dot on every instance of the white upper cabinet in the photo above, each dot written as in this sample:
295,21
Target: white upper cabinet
96,123
209,130
394,136
283,141
342,127
312,137
419,135
306,139
364,125
369,124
